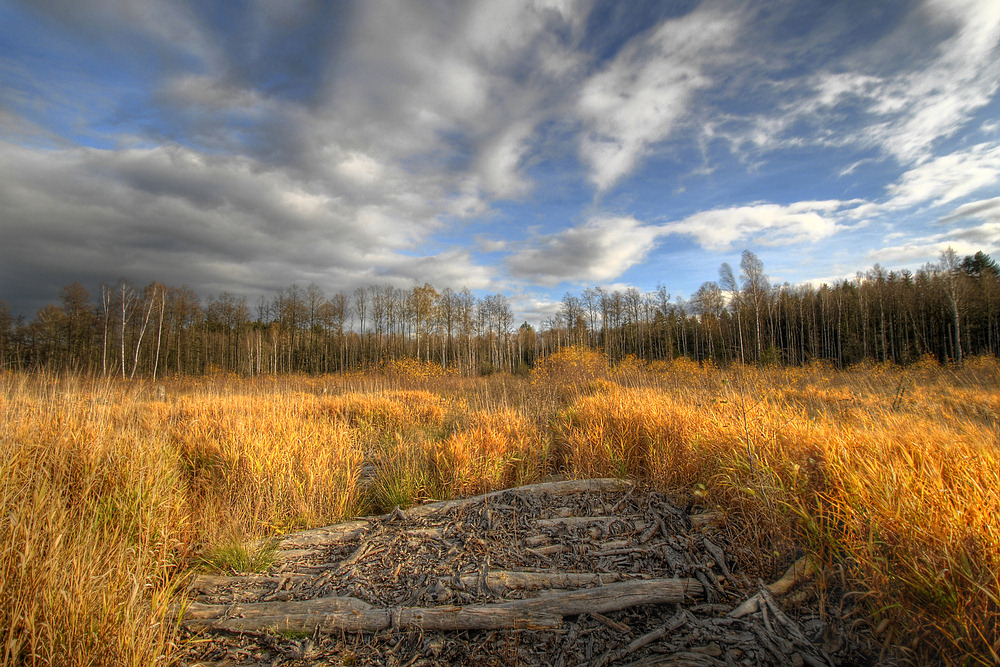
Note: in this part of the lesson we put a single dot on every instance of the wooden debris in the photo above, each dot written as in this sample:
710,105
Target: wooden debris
611,623
800,570
591,572
648,638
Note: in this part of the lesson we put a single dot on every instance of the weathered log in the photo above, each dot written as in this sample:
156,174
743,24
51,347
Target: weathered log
719,555
343,613
198,610
549,550
502,616
306,542
549,488
342,532
540,580
360,620
611,623
286,556
617,596
801,569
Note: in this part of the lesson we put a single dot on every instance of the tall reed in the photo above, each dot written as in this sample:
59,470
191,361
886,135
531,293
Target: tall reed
110,497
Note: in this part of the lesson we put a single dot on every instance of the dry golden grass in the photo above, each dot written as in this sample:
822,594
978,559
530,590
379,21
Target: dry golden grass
110,497
496,450
905,498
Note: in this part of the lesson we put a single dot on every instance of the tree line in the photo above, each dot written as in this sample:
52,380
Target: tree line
948,310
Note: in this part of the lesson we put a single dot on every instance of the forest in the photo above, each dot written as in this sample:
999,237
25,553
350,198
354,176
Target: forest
945,310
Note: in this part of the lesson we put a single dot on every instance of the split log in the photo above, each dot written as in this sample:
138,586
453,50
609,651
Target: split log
343,613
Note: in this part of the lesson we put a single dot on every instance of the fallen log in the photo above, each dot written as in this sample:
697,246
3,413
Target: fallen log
503,616
549,488
201,611
305,543
351,614
342,532
359,620
612,656
540,580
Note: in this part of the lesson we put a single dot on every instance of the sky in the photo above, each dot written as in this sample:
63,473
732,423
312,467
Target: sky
526,147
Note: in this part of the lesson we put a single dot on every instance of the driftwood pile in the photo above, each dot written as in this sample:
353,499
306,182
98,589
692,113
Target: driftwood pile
588,572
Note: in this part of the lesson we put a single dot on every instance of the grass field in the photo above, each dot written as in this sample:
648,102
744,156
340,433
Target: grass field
111,495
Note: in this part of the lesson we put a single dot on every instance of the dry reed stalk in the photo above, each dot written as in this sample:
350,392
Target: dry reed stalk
110,494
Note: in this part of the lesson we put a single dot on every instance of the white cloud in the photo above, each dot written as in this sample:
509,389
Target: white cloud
935,100
918,84
600,250
964,240
948,177
767,224
500,160
453,268
360,168
986,209
491,245
986,235
924,249
260,160
647,90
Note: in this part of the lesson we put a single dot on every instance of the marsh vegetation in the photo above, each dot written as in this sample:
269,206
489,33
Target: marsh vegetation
114,495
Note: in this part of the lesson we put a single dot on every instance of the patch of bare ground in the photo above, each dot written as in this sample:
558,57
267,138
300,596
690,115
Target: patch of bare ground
587,572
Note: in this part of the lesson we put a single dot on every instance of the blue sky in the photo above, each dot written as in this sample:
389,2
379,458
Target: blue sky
524,147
